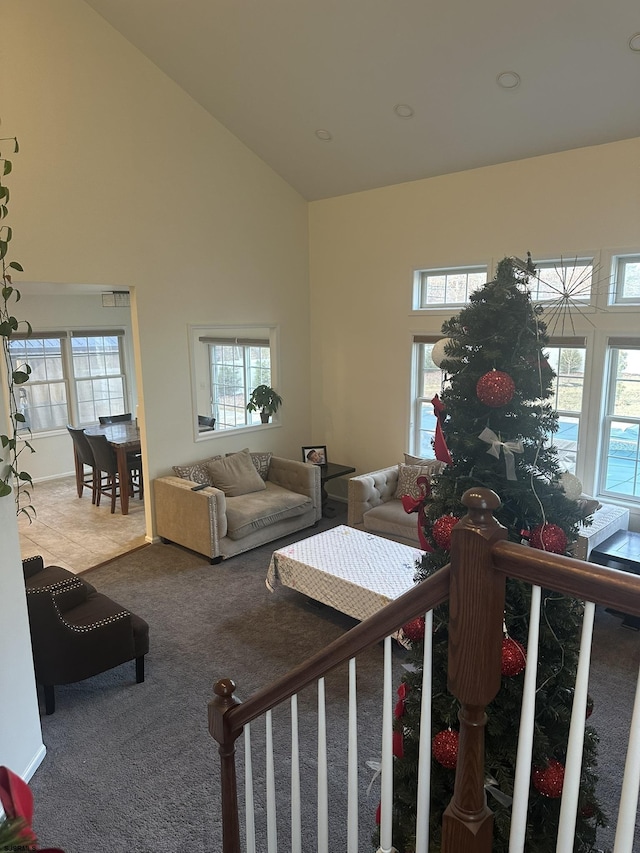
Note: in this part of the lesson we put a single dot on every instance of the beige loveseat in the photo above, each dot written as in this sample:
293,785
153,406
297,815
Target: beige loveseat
220,523
373,505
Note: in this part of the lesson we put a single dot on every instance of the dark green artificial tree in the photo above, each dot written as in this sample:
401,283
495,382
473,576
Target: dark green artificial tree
498,380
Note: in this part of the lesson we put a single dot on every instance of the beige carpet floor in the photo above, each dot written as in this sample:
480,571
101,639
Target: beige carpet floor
73,533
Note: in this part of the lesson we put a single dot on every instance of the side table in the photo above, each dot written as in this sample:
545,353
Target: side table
623,548
329,472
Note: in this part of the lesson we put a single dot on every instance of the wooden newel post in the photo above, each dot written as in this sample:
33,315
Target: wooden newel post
222,701
476,612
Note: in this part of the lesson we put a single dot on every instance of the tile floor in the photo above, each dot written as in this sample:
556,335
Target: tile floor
73,533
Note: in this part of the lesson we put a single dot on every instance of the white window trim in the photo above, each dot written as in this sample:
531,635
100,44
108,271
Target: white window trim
615,299
65,335
200,372
443,307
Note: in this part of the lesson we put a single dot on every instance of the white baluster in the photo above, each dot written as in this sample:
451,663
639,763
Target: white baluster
573,765
525,737
424,760
323,797
272,832
386,783
630,784
352,771
249,811
296,824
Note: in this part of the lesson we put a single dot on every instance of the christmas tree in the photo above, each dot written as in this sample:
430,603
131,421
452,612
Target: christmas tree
497,427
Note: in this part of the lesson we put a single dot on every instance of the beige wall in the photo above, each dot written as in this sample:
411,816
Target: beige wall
364,248
122,180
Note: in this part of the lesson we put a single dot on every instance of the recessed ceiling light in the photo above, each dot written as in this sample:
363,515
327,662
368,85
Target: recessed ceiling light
634,42
324,135
403,110
508,80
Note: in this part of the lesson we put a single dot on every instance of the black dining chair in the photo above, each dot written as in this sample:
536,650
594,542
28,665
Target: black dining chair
83,456
106,463
114,419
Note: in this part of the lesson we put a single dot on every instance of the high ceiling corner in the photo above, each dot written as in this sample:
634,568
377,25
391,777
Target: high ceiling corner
339,97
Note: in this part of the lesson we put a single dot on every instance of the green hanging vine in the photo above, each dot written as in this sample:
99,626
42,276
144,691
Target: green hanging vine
13,445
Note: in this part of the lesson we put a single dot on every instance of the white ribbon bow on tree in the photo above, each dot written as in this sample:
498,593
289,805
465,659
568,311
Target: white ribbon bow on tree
509,448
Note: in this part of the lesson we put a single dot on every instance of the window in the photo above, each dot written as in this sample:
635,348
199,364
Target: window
236,369
428,383
444,287
596,391
626,280
556,279
75,377
567,359
43,399
227,363
621,429
99,375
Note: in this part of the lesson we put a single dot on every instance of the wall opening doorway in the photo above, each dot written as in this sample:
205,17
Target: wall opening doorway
67,530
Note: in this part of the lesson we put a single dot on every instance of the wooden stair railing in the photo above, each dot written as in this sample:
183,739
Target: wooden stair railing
228,716
474,584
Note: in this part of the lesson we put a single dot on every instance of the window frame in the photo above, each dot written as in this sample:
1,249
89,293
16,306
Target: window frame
567,343
618,262
420,285
248,384
419,341
121,376
553,264
201,375
614,346
597,322
69,379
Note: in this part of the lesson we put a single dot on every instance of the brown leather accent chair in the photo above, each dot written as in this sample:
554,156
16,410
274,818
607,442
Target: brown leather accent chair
77,632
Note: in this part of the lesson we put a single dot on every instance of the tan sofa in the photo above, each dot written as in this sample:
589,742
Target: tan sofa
372,506
211,522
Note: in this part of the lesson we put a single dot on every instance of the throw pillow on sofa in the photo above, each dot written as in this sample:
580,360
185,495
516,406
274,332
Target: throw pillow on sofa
236,474
261,460
196,472
416,460
408,477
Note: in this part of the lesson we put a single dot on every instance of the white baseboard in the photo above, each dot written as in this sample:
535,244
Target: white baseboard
35,762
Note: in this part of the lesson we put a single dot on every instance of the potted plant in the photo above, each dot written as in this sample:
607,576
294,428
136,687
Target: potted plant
266,400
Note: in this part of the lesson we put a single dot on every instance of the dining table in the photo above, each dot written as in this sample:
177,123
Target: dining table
124,437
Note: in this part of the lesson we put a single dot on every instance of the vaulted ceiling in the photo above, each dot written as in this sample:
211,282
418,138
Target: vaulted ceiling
339,96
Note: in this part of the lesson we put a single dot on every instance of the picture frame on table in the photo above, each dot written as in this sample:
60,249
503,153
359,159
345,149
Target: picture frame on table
315,453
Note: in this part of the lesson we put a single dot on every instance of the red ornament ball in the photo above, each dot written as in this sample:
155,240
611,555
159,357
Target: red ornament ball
414,630
514,657
445,748
549,537
549,780
495,388
441,530
588,810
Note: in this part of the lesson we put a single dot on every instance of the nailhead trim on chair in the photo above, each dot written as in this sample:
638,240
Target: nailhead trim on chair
81,629
65,583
